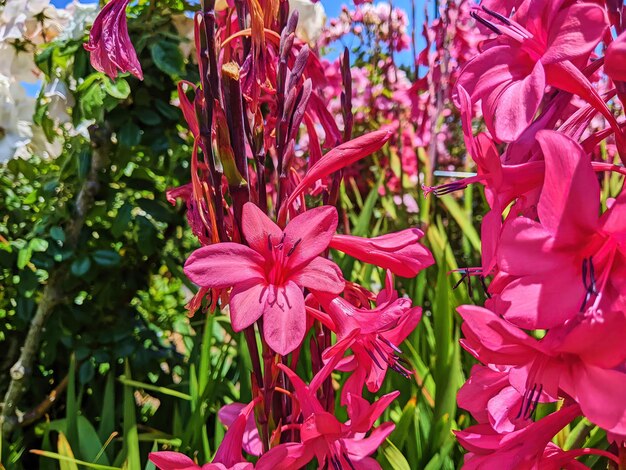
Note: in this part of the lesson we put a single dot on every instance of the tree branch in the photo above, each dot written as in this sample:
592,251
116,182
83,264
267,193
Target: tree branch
53,292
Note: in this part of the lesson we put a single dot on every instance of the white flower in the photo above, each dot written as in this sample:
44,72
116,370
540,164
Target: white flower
15,14
59,99
16,114
18,63
79,16
312,19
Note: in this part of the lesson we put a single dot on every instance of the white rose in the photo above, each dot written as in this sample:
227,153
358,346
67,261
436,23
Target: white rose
311,21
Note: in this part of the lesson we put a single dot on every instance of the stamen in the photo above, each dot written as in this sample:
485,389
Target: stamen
293,248
371,354
535,403
528,395
484,285
347,459
484,22
589,281
336,462
495,14
390,344
446,188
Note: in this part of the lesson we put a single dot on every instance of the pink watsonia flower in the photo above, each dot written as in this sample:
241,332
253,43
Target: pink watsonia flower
269,274
334,444
375,345
109,44
228,415
399,252
540,45
228,455
580,361
573,259
491,399
522,449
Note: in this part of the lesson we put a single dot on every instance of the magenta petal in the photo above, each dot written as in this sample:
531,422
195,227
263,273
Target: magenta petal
361,448
308,235
247,303
109,43
167,460
321,275
223,265
257,228
286,457
363,415
575,32
601,394
284,318
514,108
542,301
564,207
527,247
251,441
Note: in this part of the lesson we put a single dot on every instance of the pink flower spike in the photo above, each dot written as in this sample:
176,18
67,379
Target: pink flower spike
399,252
268,276
109,44
336,444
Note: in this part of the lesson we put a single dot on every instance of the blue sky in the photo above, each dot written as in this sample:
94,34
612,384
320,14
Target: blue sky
333,7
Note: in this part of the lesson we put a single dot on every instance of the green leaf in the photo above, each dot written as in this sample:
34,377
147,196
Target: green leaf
91,101
129,135
38,244
119,88
395,458
464,222
71,405
86,372
23,257
131,440
80,266
66,451
168,57
57,234
106,257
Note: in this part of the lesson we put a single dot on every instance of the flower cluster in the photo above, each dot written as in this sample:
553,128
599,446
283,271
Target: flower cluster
549,339
266,254
25,26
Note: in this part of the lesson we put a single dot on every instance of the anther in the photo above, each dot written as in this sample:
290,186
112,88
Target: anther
347,459
293,248
484,22
495,14
371,354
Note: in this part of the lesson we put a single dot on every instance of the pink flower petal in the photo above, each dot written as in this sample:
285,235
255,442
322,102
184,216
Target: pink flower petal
258,227
284,318
308,235
247,303
223,265
167,460
322,275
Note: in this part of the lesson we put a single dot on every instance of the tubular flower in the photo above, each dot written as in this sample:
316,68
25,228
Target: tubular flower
580,360
334,444
268,275
379,331
109,44
227,457
530,52
399,252
572,259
